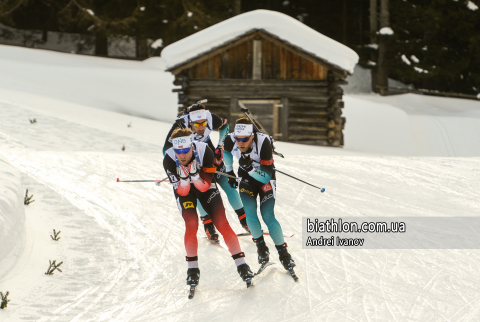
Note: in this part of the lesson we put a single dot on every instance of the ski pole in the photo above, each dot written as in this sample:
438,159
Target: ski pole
321,189
229,176
163,180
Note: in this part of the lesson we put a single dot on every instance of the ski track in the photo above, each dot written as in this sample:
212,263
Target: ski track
122,243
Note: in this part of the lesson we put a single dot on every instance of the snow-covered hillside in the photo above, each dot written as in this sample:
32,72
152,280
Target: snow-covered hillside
129,87
122,243
12,216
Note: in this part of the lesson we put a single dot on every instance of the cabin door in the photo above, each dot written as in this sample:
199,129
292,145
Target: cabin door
266,112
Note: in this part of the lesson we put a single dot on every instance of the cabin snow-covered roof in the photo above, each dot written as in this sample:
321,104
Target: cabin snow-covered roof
285,28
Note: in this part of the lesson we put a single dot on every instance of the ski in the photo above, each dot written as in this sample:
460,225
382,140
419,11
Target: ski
263,266
249,282
191,293
292,274
216,242
267,234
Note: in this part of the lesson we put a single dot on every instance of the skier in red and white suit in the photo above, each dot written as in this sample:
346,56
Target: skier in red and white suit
190,168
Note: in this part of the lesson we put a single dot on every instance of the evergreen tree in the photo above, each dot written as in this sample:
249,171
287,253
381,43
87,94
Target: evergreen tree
435,45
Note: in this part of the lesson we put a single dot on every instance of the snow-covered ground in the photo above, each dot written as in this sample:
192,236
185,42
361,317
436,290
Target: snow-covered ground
12,216
122,243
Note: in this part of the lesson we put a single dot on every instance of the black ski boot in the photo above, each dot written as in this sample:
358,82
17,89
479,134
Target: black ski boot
242,218
193,276
285,257
262,250
245,272
209,228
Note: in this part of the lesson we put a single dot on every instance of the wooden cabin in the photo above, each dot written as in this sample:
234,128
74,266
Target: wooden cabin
294,95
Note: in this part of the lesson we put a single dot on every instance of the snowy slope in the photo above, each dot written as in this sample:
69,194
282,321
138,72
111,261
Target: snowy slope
129,87
12,216
412,124
122,243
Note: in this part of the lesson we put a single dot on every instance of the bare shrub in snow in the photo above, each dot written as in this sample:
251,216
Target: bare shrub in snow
55,235
28,200
53,266
4,300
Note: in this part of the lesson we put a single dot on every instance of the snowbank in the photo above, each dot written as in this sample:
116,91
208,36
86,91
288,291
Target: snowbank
12,216
377,128
278,24
412,124
361,82
129,87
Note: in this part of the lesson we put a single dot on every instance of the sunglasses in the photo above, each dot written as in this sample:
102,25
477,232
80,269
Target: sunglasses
182,151
243,139
204,123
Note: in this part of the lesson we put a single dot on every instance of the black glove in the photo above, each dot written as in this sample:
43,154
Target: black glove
232,182
246,163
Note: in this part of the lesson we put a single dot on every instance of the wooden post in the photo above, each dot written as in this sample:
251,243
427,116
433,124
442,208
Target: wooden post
276,121
283,120
382,72
233,112
374,40
257,59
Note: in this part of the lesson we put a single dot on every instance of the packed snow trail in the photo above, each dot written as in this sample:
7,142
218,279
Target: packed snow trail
123,253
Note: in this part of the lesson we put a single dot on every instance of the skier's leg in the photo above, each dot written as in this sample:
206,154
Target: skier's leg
212,203
233,198
207,222
200,209
248,194
187,207
232,194
267,205
267,195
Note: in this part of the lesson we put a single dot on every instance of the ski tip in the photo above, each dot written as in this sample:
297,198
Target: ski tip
118,179
323,190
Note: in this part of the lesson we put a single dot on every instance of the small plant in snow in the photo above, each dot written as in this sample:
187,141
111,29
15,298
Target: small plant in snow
129,124
28,200
55,235
33,121
5,301
53,267
123,148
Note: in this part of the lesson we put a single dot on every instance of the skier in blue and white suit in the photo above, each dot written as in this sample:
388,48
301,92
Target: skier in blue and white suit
202,122
254,153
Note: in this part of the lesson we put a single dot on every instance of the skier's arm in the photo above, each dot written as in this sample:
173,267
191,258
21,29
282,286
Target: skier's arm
227,154
228,161
181,186
203,179
222,126
169,144
265,172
